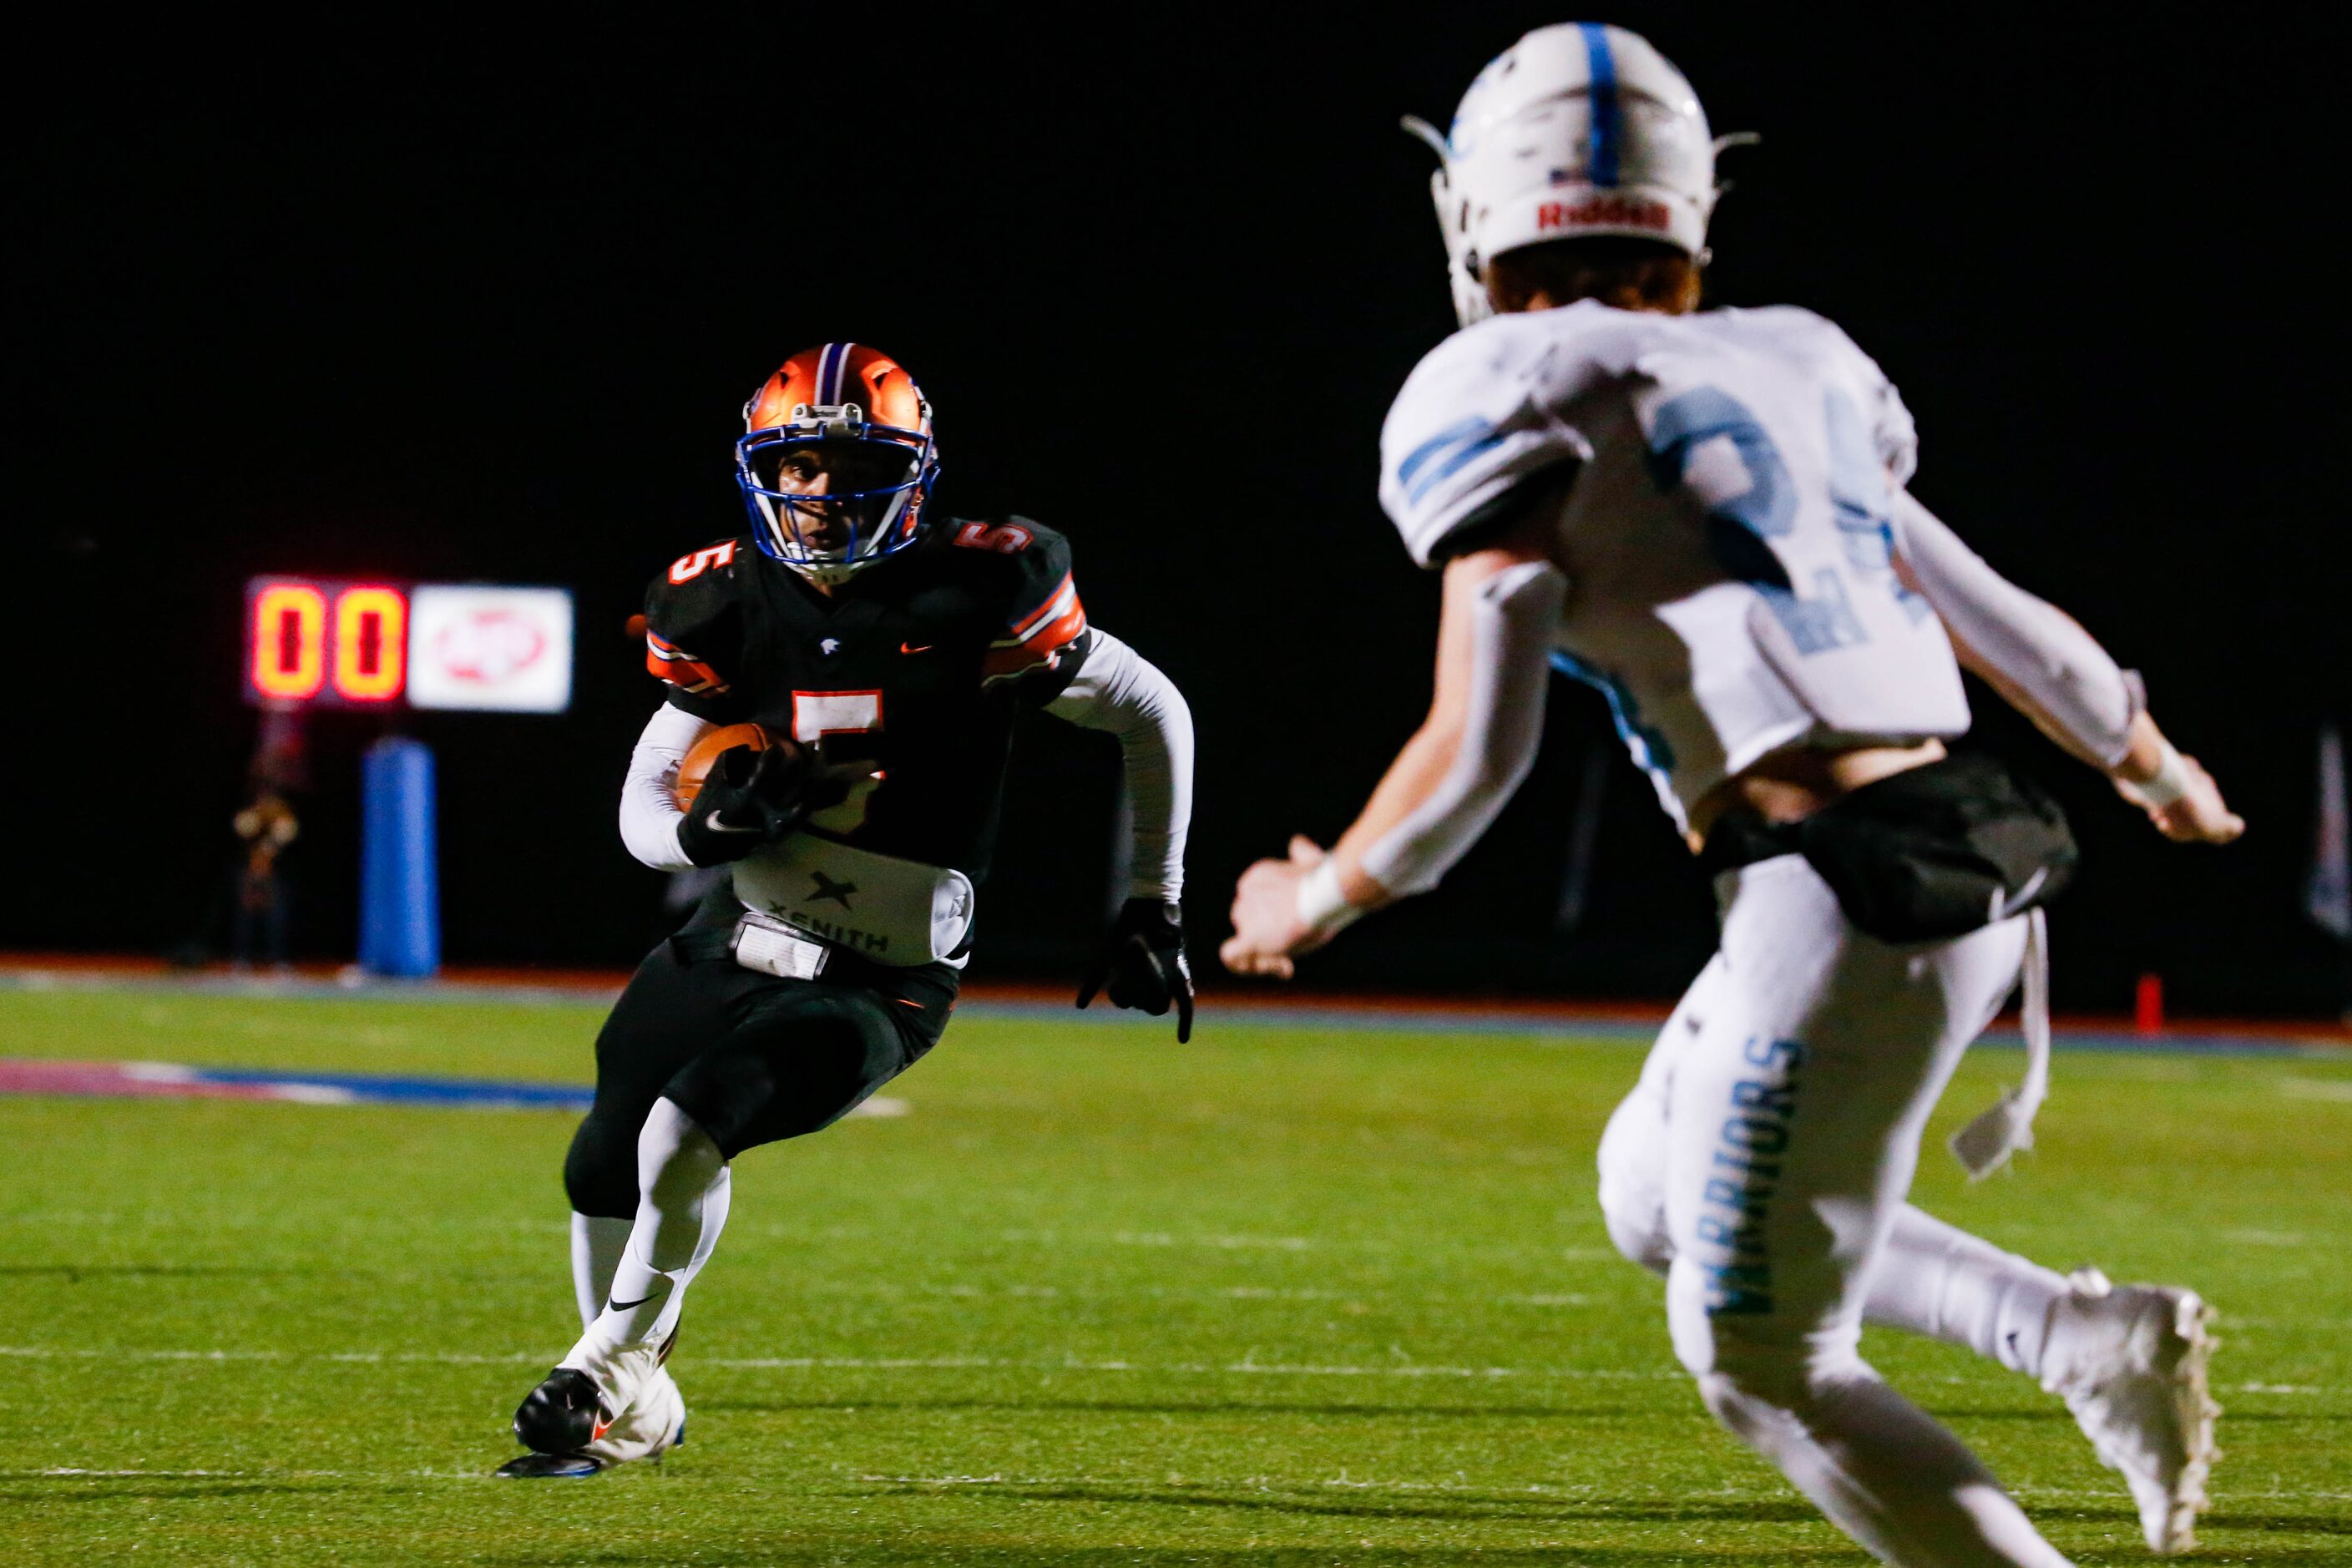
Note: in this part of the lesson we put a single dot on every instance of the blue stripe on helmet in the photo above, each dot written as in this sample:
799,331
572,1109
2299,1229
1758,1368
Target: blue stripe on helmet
828,373
1606,127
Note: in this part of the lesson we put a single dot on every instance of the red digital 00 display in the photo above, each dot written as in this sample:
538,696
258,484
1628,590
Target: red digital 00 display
311,642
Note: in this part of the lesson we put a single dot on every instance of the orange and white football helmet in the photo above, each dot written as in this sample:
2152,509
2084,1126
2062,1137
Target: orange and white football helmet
863,413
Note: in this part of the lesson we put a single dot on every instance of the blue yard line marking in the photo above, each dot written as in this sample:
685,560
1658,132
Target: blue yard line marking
167,1080
379,1089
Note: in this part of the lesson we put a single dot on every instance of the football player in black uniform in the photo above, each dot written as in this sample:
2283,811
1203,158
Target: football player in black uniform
894,650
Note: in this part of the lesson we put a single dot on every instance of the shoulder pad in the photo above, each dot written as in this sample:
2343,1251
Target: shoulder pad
1835,356
1041,613
720,557
691,624
1484,410
1005,536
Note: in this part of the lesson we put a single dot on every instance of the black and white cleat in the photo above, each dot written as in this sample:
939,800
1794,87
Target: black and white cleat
563,1414
551,1466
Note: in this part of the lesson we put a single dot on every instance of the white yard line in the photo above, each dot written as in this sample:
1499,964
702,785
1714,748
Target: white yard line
1500,1491
1245,1367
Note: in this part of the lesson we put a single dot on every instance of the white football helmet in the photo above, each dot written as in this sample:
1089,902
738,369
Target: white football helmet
1579,129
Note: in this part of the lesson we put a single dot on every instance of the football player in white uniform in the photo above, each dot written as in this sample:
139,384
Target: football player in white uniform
1703,514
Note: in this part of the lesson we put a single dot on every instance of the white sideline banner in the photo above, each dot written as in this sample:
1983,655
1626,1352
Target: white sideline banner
490,649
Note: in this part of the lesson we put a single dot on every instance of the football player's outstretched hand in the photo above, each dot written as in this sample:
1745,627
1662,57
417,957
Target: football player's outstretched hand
1144,963
2199,816
1266,928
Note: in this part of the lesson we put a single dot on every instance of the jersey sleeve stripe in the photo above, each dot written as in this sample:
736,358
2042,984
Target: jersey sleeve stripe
681,670
1004,663
1059,603
1038,641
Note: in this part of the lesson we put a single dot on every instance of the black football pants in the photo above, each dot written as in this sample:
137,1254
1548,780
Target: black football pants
752,1058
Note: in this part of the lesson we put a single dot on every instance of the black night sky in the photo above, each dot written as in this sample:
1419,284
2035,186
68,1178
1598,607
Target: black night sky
434,305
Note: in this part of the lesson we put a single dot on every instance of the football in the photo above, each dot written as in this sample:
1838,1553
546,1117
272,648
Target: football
696,766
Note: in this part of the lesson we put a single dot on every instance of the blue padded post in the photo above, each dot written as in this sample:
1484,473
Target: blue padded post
400,897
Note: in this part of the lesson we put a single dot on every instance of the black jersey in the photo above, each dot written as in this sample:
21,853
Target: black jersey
920,662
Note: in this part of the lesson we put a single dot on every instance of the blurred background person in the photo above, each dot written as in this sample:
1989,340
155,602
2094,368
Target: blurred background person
258,904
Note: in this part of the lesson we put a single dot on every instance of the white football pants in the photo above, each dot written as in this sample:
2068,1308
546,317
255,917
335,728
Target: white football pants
1762,1164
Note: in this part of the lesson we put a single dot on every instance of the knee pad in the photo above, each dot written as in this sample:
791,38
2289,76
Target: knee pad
1741,1396
1634,1188
1740,1374
1637,1225
790,1073
600,1171
1737,1358
677,1158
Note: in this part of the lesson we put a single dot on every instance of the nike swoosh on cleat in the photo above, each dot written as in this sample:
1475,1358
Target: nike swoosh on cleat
910,647
712,823
603,1426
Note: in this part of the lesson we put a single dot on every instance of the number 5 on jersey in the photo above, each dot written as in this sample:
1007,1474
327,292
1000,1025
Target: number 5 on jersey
816,714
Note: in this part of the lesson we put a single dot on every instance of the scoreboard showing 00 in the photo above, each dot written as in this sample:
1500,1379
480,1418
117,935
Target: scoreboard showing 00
315,643
339,644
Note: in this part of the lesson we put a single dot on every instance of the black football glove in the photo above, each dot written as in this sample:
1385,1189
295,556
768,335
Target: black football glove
752,798
1144,961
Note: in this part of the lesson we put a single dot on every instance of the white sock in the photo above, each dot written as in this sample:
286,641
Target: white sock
1936,1279
684,1186
596,1243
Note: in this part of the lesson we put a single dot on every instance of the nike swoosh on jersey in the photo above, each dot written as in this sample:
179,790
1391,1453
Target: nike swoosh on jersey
625,1305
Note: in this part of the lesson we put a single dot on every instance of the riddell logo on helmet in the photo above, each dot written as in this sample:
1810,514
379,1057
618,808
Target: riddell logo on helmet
1629,212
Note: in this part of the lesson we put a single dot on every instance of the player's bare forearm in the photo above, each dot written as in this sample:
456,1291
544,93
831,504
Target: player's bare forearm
1411,779
2181,799
2180,796
2047,667
1283,908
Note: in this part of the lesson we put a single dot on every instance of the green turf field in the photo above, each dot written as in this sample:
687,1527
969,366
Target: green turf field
1273,1298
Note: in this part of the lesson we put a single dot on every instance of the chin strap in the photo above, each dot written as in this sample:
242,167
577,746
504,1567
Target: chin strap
1985,1144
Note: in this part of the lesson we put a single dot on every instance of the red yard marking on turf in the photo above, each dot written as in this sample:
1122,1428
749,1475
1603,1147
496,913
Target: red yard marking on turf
122,1079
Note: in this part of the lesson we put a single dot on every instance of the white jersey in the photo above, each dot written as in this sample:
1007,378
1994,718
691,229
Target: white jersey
1727,539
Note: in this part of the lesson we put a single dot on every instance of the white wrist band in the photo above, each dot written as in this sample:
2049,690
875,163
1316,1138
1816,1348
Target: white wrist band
2170,782
1322,907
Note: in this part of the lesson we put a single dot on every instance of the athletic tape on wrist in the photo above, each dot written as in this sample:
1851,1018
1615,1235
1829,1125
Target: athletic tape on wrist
1323,907
2171,780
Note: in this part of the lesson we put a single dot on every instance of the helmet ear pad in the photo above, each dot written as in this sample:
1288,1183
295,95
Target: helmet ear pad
1463,273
